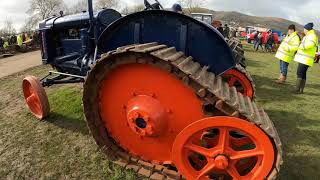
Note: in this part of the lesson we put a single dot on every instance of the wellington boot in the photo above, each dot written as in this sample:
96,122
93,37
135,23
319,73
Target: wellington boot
302,85
298,86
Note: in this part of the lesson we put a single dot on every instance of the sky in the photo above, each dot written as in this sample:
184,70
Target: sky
301,11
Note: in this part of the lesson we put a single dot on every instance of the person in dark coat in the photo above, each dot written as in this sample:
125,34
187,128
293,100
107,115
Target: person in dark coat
226,31
270,41
1,42
220,29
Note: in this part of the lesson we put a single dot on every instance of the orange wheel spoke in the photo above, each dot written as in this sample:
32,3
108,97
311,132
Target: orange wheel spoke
198,149
35,97
223,138
233,172
31,98
206,169
246,164
246,154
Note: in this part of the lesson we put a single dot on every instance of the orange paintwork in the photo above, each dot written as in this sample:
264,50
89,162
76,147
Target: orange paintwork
35,97
222,157
234,76
120,92
150,110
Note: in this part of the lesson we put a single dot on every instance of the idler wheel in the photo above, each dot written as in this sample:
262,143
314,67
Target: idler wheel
35,97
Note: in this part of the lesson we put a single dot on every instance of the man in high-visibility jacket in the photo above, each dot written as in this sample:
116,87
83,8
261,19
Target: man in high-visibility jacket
305,56
286,51
19,40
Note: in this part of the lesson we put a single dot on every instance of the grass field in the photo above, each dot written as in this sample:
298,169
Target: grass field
62,148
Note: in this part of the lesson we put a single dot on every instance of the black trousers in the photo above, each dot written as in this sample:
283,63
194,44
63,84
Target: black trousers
302,71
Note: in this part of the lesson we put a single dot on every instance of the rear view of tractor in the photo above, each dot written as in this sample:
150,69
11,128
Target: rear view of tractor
153,96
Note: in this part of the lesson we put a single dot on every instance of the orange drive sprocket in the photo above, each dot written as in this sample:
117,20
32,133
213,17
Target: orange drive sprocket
144,108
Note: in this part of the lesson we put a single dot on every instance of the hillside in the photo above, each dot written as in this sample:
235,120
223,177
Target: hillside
243,20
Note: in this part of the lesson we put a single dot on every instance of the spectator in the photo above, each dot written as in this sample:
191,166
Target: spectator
226,31
13,39
305,56
19,40
6,43
270,41
286,52
256,40
233,33
260,37
177,8
23,37
1,42
220,29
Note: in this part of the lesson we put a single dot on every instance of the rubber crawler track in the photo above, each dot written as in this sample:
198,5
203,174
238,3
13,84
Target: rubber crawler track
238,52
208,87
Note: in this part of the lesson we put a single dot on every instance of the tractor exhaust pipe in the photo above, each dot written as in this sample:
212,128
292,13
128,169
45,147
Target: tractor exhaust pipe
92,29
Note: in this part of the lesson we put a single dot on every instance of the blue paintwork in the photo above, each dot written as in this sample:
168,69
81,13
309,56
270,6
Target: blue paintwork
199,40
83,45
74,55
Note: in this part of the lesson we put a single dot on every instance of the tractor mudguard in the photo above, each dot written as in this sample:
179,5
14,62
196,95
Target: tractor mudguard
199,40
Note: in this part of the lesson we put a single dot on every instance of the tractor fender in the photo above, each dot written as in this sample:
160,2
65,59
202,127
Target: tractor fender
197,39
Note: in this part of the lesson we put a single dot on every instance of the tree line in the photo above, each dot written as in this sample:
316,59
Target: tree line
42,9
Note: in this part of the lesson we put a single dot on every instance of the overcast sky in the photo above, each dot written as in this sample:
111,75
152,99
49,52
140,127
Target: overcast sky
301,11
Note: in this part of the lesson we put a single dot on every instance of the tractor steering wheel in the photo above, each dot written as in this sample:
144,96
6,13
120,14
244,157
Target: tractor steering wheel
154,6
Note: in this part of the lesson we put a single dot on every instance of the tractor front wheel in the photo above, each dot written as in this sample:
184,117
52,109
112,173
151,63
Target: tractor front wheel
35,97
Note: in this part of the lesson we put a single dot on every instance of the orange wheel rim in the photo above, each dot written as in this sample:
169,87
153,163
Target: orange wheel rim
144,108
223,158
243,84
35,97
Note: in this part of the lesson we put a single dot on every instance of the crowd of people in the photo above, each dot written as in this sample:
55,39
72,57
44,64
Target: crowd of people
259,41
26,38
301,50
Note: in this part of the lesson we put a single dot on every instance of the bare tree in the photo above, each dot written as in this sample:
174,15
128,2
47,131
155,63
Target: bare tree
42,9
45,8
129,10
107,4
82,5
191,6
8,28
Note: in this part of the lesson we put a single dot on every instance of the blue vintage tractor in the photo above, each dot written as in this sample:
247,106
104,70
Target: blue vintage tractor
153,96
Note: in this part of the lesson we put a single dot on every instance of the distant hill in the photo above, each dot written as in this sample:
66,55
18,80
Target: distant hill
243,20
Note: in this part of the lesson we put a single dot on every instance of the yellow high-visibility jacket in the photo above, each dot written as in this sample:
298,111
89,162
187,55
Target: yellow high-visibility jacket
19,40
288,47
307,49
6,44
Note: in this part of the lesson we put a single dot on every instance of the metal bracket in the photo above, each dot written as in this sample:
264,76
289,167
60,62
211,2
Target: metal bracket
60,78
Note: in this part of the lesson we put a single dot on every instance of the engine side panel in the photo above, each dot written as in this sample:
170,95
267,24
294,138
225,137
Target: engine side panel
191,36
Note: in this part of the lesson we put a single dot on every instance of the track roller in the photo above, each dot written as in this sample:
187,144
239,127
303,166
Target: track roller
242,80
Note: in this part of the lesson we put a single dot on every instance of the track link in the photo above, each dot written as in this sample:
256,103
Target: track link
238,52
209,88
